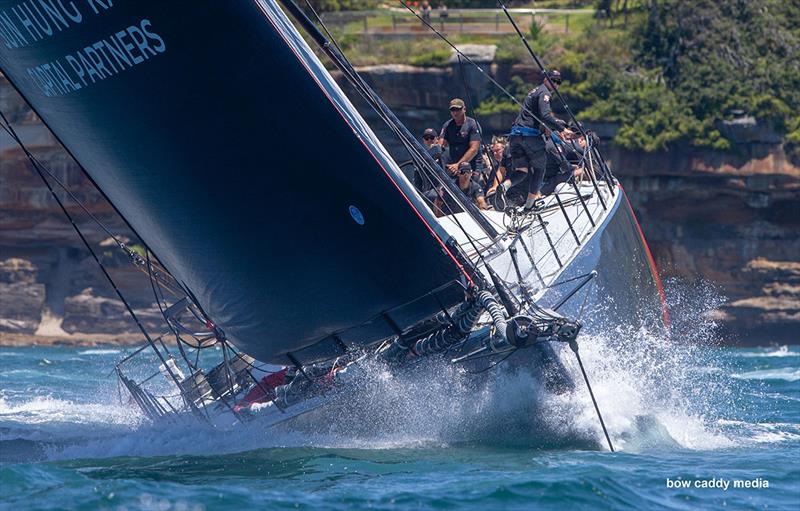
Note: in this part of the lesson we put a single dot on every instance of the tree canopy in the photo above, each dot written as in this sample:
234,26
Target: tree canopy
684,66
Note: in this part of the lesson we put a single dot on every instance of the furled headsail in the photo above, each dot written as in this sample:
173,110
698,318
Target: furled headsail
222,140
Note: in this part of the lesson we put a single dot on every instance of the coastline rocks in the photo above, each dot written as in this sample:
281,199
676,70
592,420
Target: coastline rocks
21,298
747,129
776,309
478,53
87,313
21,305
707,214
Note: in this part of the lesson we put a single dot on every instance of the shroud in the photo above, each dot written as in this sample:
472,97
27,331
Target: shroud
219,136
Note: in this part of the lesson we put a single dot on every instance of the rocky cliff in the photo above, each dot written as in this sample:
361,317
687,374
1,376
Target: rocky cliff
48,282
731,219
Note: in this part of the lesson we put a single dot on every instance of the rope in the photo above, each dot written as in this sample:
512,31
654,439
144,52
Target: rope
36,165
547,74
6,126
419,154
421,157
461,54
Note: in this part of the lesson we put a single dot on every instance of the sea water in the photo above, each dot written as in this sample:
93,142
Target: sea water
693,425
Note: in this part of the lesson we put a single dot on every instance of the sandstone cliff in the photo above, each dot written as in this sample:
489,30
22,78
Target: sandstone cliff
730,219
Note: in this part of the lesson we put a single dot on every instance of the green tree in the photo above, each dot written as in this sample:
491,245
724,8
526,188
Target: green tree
724,55
686,66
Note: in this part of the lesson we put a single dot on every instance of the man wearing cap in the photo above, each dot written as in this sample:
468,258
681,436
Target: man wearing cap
527,136
461,135
429,139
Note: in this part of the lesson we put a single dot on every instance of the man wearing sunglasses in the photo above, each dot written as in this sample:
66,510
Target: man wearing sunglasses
527,139
430,139
461,135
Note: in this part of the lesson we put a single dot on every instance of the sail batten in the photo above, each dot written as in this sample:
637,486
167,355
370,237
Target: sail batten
242,165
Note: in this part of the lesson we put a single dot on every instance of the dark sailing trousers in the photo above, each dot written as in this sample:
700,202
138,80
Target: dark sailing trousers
549,185
530,153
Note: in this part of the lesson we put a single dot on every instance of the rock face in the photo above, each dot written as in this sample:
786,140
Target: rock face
774,307
42,261
21,297
81,313
732,219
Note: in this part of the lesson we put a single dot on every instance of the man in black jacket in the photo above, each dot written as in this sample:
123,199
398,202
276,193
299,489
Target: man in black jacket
527,137
559,168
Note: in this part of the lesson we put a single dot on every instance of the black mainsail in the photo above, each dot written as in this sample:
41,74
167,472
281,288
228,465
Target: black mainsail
219,136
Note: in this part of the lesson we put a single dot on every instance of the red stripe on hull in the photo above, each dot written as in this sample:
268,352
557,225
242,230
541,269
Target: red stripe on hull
651,262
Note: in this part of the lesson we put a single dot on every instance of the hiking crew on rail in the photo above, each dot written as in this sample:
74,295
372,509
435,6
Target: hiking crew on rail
540,153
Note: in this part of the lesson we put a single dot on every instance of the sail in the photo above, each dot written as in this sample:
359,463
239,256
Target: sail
223,141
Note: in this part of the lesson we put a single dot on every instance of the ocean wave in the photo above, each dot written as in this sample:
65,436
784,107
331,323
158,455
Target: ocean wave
100,351
762,432
781,351
54,417
654,394
789,374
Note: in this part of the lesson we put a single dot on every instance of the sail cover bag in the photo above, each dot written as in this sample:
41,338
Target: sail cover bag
226,145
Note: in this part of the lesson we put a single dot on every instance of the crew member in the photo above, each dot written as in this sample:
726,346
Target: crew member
527,138
559,168
461,136
576,145
496,193
500,161
430,140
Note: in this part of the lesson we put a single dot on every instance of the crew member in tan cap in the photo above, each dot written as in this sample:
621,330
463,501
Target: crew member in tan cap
461,136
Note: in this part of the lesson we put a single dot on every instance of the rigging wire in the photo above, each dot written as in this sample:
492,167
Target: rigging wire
481,147
178,339
574,347
590,148
547,75
468,59
363,88
37,167
420,156
6,126
137,260
412,145
604,165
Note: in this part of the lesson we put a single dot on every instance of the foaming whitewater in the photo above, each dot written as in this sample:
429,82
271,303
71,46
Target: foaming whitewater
655,392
